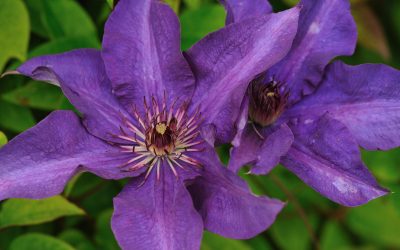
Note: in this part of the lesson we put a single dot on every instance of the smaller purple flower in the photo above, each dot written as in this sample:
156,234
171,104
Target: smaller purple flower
150,115
312,117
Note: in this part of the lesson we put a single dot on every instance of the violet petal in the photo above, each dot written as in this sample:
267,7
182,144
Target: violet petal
157,215
226,203
326,157
81,75
326,30
39,162
141,52
224,62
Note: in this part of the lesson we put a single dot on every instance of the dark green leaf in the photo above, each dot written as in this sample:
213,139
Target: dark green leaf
65,44
16,212
104,236
14,117
61,18
37,95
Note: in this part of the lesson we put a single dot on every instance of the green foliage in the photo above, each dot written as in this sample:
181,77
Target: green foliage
198,22
104,236
37,95
17,212
52,21
3,139
213,241
377,222
14,31
15,118
38,241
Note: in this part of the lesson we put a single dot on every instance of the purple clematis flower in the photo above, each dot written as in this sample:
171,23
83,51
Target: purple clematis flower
150,115
312,117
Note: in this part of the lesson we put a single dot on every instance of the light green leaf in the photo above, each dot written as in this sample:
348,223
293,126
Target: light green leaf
199,22
377,222
213,241
384,164
76,239
174,4
192,4
293,229
111,3
15,118
17,212
38,241
3,139
104,235
333,238
14,31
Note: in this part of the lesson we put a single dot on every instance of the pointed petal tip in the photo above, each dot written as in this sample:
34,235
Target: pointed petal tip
10,72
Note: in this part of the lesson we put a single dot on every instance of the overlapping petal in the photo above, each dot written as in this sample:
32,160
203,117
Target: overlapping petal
326,30
326,157
224,62
157,215
39,162
366,98
82,77
238,10
262,149
226,203
141,52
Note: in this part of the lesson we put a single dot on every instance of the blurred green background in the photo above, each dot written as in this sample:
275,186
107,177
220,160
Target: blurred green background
79,218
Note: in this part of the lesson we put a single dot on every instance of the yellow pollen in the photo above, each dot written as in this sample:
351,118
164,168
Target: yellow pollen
269,94
161,128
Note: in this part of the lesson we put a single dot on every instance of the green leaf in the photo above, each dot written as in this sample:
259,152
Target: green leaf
17,212
376,222
104,235
212,241
14,31
76,239
65,44
196,23
61,18
174,4
384,164
333,237
370,31
15,118
37,95
192,4
3,139
111,3
293,229
38,241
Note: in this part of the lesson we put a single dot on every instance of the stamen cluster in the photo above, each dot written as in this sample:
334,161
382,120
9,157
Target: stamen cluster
267,101
162,135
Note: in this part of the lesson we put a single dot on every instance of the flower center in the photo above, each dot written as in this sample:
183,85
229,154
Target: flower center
267,101
163,134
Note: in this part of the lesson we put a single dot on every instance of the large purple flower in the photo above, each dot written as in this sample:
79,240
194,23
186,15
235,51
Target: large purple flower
149,115
312,117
